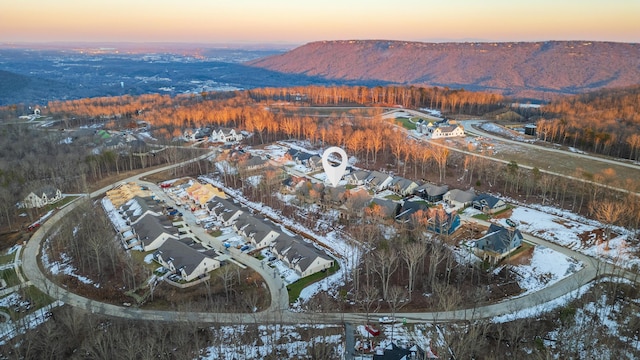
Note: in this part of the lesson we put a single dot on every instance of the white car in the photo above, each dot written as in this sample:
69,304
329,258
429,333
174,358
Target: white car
387,320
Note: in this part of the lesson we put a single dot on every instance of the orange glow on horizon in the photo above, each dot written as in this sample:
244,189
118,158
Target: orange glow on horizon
280,20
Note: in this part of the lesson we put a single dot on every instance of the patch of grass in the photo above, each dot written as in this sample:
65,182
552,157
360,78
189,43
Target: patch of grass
524,247
10,276
259,256
393,197
349,186
7,259
295,288
482,216
215,233
138,256
509,207
406,123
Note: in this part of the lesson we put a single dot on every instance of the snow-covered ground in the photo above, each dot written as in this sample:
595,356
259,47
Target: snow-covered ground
563,227
545,268
497,129
287,341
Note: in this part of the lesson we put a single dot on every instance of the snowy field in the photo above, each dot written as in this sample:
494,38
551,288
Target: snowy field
564,228
545,268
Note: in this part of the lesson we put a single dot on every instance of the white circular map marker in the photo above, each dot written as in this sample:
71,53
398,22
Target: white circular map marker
334,173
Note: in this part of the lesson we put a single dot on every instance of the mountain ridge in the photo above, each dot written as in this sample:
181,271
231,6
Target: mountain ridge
521,69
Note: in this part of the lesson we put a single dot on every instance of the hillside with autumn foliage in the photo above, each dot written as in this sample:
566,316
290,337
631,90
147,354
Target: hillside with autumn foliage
605,121
535,70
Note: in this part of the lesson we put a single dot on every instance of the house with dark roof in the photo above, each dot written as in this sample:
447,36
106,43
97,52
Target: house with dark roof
184,260
442,222
300,256
139,207
459,199
255,229
41,197
224,210
431,192
409,209
152,233
497,243
388,208
488,204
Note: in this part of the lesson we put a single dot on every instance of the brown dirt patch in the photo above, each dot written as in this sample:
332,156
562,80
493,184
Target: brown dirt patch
594,237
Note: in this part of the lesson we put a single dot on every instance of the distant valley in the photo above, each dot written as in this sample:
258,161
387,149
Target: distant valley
39,76
534,70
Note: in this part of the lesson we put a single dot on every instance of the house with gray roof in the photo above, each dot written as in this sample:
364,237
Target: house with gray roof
184,260
459,199
300,256
488,204
139,207
377,180
497,243
432,192
256,229
152,233
388,207
403,186
358,177
224,210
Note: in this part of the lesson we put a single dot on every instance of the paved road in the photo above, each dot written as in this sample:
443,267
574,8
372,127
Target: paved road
591,270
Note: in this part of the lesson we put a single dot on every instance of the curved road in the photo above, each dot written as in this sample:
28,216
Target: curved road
278,312
470,128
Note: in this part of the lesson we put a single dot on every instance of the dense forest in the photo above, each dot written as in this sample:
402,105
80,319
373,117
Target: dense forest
604,122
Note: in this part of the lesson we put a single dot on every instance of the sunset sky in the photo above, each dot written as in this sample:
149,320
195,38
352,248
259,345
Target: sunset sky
297,22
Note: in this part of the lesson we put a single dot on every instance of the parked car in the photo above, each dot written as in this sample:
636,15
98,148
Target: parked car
244,248
387,320
511,223
273,258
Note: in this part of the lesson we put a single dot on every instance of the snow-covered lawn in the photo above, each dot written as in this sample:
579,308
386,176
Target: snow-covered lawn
545,268
564,228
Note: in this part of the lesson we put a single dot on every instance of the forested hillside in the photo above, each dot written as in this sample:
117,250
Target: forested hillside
606,121
538,70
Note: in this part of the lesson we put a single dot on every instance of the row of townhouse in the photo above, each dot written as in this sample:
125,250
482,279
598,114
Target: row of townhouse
378,181
141,224
302,257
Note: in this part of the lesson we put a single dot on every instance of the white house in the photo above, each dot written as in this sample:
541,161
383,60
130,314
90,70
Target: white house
45,196
441,130
226,135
